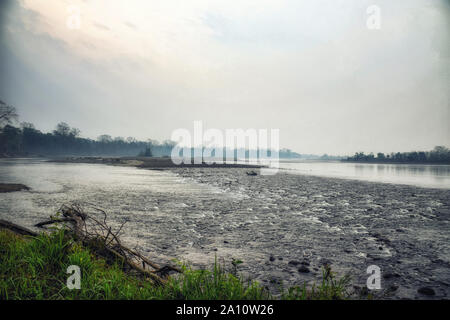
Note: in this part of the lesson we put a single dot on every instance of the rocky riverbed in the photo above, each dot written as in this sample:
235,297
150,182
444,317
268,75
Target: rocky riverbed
286,227
283,227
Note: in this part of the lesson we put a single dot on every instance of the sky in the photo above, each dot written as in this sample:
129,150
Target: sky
314,69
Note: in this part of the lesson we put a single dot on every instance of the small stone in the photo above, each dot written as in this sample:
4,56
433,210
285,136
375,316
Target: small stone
393,288
380,248
272,258
303,269
225,241
293,262
390,275
426,291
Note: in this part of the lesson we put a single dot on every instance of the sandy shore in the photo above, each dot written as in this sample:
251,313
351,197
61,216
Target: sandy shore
285,227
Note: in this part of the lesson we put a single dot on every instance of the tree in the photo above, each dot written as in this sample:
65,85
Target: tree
104,138
381,156
74,132
8,114
146,153
62,129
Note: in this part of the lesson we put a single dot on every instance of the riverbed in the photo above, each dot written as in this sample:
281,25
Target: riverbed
284,228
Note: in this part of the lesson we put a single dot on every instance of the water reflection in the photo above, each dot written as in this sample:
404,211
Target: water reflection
430,176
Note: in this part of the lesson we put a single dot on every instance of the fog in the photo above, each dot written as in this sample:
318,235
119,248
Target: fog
312,69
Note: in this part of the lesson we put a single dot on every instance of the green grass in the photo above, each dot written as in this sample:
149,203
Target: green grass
35,268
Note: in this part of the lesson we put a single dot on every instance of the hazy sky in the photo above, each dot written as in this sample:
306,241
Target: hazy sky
312,69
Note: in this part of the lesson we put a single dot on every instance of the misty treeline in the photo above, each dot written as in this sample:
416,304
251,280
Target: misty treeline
439,155
26,140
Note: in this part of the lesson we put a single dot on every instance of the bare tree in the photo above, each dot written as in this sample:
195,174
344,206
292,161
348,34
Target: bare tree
8,113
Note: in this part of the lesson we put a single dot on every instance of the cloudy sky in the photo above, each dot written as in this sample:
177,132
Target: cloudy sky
311,68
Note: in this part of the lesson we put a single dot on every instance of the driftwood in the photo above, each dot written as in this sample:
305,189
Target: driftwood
16,228
93,230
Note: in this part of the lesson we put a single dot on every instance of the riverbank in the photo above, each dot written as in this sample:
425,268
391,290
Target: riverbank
34,267
279,222
284,228
12,187
155,163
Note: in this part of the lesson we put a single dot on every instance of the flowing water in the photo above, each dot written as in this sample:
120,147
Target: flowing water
266,221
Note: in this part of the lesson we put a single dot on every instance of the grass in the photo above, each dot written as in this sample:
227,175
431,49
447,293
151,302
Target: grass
35,268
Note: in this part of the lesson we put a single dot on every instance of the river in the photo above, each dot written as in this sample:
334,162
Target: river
269,222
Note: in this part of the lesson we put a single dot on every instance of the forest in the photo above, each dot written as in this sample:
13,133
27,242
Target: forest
25,140
439,155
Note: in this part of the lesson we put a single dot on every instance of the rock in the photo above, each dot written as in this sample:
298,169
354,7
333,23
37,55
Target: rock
303,269
305,263
390,275
294,262
272,258
225,241
393,288
252,173
427,291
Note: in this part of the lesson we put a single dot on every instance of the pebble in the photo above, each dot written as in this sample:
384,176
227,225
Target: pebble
427,291
303,269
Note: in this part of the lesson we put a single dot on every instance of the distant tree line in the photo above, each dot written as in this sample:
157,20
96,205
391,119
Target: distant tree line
26,140
439,154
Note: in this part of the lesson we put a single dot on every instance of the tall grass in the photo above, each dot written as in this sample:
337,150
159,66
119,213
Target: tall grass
35,268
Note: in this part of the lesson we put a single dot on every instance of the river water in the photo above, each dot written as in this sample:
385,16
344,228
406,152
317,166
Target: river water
429,176
196,214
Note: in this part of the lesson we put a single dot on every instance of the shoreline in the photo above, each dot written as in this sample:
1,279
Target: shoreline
155,163
276,224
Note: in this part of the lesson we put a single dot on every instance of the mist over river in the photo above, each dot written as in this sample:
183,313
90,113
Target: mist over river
303,216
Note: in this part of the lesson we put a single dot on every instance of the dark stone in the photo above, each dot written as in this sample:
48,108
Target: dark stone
303,269
293,262
393,288
272,258
380,248
305,263
427,291
390,275
225,241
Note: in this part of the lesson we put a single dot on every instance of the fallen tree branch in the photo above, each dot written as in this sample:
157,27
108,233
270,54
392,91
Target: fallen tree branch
93,229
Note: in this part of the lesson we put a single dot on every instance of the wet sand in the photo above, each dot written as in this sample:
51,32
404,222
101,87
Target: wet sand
286,227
